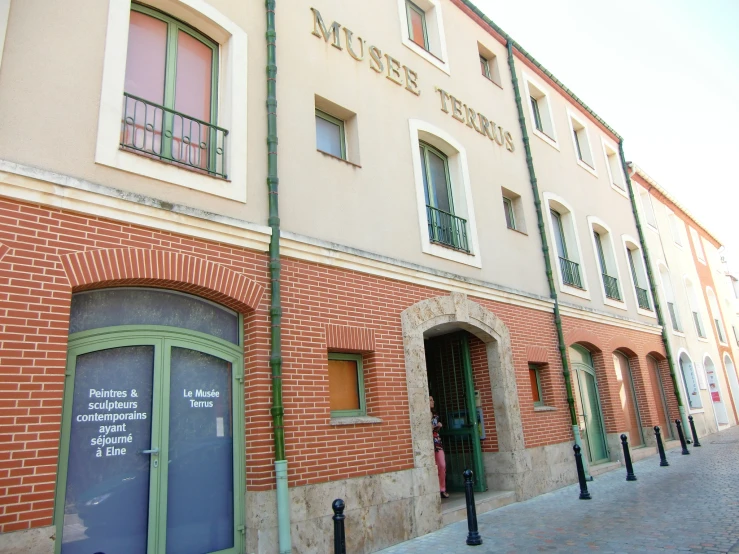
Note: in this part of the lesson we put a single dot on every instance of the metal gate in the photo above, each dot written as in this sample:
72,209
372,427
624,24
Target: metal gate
449,372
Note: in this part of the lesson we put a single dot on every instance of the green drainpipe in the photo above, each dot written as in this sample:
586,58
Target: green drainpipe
545,251
275,311
653,288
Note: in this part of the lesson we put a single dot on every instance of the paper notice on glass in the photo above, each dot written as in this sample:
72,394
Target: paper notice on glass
219,427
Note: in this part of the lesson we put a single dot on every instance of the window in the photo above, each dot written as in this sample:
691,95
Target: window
417,25
581,142
444,202
510,218
346,385
540,112
535,378
716,315
690,381
675,225
648,208
695,309
638,276
489,64
444,227
697,245
192,118
569,268
670,298
422,30
736,334
171,93
330,135
607,262
614,167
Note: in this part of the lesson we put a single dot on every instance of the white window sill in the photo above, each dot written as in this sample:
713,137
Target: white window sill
701,339
621,305
428,56
355,420
678,333
587,168
692,411
646,313
619,190
574,291
545,409
653,228
546,138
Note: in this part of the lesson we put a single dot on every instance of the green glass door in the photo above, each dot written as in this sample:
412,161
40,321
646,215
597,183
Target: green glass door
449,372
149,463
594,435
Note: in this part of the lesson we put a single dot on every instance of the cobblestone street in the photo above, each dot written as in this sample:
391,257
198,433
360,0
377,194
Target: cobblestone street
690,506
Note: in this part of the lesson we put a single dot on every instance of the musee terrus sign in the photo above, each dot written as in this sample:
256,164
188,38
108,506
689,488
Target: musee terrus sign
404,76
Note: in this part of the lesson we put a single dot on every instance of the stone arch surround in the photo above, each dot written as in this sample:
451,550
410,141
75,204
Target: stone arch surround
507,468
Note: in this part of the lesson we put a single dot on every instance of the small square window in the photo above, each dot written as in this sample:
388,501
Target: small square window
330,135
535,378
417,25
540,112
581,142
489,64
510,218
346,385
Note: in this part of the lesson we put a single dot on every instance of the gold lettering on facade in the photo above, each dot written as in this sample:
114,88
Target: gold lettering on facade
475,120
376,55
326,33
349,47
396,72
393,70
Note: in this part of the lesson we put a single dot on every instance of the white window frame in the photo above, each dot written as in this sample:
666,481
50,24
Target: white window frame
716,316
674,222
664,272
518,209
434,29
698,245
4,17
696,377
572,116
609,252
648,208
642,270
572,236
421,131
619,174
546,95
694,306
232,92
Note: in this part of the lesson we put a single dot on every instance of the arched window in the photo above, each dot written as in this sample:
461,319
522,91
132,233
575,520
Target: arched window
638,272
607,262
152,430
669,293
566,247
690,381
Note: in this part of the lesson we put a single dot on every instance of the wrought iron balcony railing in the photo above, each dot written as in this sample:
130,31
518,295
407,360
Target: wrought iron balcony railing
153,130
447,229
699,325
642,298
570,273
611,286
673,316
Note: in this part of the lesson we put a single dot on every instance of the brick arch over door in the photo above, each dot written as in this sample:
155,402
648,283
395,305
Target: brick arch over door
583,337
457,310
140,267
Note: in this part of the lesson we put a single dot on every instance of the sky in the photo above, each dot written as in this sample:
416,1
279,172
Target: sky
664,74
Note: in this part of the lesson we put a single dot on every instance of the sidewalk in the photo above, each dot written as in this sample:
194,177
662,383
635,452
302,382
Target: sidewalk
690,506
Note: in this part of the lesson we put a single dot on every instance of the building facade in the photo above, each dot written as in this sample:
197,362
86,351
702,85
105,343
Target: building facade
187,368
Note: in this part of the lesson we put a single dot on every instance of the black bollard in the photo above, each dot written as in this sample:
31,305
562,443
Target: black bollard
339,539
473,537
696,442
662,458
681,437
584,494
627,459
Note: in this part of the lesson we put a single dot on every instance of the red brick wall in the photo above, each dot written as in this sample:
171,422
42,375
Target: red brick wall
51,251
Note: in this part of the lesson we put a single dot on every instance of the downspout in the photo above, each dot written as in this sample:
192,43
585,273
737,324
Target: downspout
653,288
275,309
545,251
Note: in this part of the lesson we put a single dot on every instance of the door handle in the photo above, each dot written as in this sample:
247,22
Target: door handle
153,452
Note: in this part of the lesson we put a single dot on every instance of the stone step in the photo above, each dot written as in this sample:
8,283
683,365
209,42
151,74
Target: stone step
454,508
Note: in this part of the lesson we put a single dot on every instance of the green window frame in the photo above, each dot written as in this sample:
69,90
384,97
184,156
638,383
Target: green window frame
510,217
559,233
362,411
431,197
632,266
163,339
535,377
485,67
601,256
577,146
537,114
216,135
410,6
342,135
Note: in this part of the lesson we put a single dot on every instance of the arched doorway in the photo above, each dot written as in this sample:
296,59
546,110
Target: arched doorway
733,382
714,389
152,451
587,402
659,398
627,398
690,382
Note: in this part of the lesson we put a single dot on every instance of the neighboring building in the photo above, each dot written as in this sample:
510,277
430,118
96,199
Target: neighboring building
697,300
150,364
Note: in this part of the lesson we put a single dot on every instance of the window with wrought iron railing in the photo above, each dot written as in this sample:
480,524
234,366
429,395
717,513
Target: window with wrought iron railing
170,94
570,272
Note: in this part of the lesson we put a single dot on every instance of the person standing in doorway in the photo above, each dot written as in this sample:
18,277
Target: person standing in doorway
438,450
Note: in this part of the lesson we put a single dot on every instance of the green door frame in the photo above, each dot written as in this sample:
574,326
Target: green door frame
162,339
591,371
